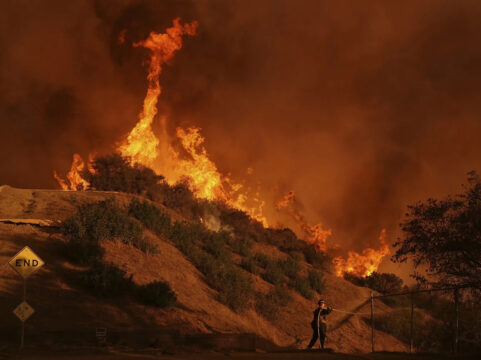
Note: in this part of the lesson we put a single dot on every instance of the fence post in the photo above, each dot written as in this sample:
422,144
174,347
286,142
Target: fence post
456,323
411,345
372,321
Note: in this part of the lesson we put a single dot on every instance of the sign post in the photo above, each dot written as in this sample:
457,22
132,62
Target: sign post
25,263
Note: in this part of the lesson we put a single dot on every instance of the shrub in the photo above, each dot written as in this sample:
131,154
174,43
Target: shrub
382,282
107,280
318,259
238,220
241,246
154,219
235,288
274,273
302,286
429,334
179,197
116,173
316,281
261,259
290,267
216,245
185,235
250,265
95,222
156,293
268,305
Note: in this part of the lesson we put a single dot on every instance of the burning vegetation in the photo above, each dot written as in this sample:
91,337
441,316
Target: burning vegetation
188,162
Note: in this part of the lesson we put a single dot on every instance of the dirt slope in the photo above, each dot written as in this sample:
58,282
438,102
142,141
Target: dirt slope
60,304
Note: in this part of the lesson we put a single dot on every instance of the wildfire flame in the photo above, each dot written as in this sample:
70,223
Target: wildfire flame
315,234
190,160
365,263
141,145
74,181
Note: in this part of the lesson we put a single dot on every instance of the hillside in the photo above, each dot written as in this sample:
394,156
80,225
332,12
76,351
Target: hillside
31,217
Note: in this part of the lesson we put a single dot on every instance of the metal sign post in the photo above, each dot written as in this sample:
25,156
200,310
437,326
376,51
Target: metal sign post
372,321
25,263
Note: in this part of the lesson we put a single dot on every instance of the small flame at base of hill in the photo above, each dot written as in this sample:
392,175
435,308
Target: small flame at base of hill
364,263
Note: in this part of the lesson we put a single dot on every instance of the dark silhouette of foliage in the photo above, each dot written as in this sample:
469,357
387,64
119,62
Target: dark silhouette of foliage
385,283
156,293
250,265
154,219
107,280
316,281
444,237
268,305
116,173
302,286
94,223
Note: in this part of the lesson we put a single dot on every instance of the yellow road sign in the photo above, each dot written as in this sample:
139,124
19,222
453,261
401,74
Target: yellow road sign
23,311
26,262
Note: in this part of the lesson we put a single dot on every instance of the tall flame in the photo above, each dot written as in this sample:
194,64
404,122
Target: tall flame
141,145
144,147
365,263
190,160
315,234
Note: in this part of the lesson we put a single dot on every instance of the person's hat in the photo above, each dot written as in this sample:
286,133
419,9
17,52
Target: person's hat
321,302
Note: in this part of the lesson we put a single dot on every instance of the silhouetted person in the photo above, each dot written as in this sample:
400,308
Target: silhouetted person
319,324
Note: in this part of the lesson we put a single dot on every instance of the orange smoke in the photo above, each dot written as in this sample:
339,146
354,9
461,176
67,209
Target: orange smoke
315,234
365,263
74,178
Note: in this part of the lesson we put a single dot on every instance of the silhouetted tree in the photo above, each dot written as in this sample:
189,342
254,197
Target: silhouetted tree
116,173
443,238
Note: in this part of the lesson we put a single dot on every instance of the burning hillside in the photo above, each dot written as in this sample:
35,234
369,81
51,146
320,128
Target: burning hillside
184,157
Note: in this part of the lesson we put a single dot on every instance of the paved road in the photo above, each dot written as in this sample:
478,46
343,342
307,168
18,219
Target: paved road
126,354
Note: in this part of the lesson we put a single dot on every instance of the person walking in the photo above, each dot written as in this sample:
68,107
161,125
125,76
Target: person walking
319,324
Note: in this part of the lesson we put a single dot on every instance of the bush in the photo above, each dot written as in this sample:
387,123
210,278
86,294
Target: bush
185,235
429,334
290,267
95,222
302,286
156,293
250,265
216,245
154,219
316,281
274,273
318,259
179,197
382,282
262,259
107,280
116,173
268,305
242,246
235,288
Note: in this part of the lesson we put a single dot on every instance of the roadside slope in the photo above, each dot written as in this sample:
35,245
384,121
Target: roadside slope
61,304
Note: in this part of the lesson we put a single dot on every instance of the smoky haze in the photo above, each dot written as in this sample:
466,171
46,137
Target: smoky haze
359,107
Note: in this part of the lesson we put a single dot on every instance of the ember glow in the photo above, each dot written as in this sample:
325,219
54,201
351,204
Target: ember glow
189,159
364,263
